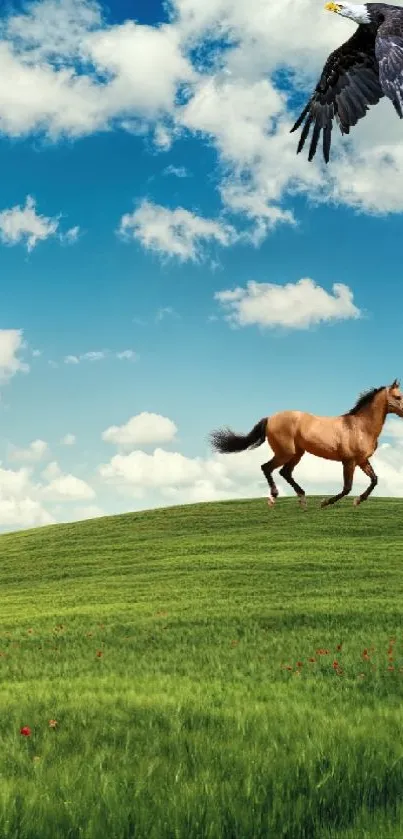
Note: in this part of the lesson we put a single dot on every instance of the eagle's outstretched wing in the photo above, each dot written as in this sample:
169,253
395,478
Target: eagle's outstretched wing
389,52
348,85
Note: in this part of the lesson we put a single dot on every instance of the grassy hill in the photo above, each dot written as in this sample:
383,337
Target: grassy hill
217,671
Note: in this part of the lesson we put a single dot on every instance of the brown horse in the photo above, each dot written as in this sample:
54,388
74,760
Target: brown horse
350,439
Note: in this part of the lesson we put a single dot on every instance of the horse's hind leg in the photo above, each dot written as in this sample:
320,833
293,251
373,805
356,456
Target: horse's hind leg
368,470
348,474
286,473
267,469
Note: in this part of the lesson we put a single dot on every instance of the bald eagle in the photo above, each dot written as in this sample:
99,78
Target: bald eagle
359,73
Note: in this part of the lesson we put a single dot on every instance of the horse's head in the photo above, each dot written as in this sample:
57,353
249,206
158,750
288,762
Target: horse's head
394,399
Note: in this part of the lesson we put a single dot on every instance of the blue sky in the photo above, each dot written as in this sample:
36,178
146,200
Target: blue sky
105,123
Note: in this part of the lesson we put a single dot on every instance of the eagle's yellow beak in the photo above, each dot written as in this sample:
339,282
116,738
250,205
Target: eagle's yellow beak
332,7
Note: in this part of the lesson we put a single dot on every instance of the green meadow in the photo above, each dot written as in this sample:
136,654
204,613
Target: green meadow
215,671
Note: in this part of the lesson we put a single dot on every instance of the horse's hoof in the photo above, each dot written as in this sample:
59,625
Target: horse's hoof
302,502
356,502
324,503
271,501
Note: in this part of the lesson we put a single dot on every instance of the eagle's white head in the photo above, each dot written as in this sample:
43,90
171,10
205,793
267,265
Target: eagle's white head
354,11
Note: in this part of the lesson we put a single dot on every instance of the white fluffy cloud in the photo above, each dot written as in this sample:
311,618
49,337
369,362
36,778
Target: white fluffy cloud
20,505
176,232
235,114
87,511
22,224
165,311
100,355
146,64
68,488
176,171
393,429
97,355
126,355
160,469
11,345
66,72
68,440
16,513
35,452
294,305
51,471
263,29
25,502
141,430
70,236
52,29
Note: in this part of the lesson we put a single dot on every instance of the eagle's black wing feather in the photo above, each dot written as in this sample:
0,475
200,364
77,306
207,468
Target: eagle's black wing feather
348,85
389,52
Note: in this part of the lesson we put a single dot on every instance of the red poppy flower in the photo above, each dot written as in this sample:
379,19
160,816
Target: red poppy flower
99,654
26,731
300,663
338,648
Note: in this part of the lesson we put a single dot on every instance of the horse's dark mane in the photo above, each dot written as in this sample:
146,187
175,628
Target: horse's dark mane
363,400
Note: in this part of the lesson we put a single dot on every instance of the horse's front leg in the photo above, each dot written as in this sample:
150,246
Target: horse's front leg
348,474
368,470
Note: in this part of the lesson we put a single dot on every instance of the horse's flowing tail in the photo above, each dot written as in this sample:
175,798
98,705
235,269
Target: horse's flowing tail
226,441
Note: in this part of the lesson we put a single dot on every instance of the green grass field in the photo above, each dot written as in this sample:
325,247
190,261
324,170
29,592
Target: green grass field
217,671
